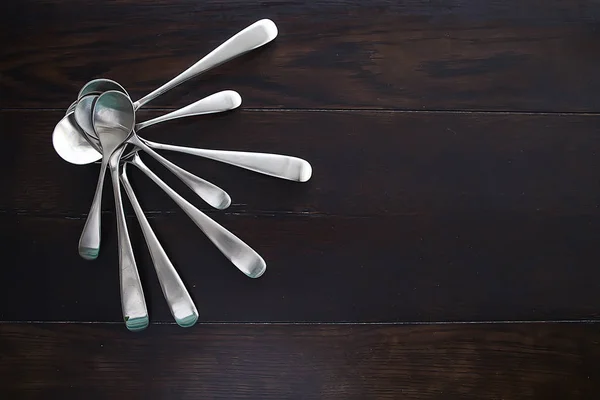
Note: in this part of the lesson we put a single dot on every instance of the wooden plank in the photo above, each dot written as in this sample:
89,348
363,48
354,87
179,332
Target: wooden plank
320,269
365,163
538,361
450,54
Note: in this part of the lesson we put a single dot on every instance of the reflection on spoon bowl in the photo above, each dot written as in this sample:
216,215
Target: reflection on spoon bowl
70,143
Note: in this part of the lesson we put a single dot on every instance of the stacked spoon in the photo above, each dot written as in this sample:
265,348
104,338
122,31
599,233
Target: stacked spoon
100,124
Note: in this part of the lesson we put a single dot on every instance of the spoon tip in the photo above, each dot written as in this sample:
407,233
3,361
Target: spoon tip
305,172
224,203
235,99
137,324
257,269
188,321
88,253
269,27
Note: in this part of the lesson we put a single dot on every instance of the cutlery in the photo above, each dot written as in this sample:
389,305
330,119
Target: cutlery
276,165
99,125
72,147
256,35
112,135
225,100
180,303
89,242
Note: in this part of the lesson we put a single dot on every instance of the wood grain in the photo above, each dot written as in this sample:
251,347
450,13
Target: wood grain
456,181
451,54
365,163
460,267
300,362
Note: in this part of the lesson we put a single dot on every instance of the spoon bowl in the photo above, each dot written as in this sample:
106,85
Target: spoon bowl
99,86
113,119
83,114
70,143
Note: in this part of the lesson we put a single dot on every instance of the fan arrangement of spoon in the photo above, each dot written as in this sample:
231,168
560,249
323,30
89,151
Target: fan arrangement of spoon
100,124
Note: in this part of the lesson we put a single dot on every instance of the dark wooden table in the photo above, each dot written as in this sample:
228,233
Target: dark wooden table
446,247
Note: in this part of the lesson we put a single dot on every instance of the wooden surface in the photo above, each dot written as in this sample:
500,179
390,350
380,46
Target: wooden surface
545,361
456,155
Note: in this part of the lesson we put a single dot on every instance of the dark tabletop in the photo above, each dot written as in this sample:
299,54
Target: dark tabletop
447,245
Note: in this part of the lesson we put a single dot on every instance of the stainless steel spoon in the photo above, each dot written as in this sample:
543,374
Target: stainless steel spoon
256,35
276,165
225,100
179,300
89,242
113,125
74,149
239,253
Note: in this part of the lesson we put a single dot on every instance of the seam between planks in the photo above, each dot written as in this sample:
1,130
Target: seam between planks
343,323
359,110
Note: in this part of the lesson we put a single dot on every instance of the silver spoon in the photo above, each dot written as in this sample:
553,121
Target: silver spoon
89,242
276,165
113,126
180,303
239,253
75,150
256,35
225,100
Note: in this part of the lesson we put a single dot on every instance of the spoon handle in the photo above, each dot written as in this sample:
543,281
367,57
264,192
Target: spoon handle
133,302
89,242
212,194
180,303
239,253
219,102
255,35
277,165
